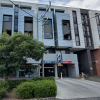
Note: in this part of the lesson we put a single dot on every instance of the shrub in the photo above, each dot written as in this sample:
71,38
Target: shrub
15,83
3,92
24,90
36,89
42,78
45,88
4,84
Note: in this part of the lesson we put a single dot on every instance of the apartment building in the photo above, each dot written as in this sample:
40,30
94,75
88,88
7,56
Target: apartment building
64,33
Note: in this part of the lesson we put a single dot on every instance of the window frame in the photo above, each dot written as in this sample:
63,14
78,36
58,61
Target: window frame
69,29
51,27
77,27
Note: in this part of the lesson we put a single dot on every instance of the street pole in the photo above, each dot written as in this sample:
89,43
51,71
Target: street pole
42,41
42,37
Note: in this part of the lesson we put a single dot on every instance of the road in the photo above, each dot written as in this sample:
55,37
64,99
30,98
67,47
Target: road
70,88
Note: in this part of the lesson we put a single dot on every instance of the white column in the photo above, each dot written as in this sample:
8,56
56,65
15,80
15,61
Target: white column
56,72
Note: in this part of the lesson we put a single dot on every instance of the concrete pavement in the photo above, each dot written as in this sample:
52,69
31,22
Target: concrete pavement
77,88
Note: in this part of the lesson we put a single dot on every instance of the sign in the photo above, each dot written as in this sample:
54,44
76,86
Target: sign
90,68
59,58
67,62
53,62
59,64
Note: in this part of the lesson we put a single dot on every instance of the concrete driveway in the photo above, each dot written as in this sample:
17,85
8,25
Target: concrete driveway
77,88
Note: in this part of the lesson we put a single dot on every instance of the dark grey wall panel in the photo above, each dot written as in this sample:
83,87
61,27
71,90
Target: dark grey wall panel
84,59
7,25
28,27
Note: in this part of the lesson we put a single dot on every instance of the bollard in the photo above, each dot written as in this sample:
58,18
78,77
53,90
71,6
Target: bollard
82,75
61,75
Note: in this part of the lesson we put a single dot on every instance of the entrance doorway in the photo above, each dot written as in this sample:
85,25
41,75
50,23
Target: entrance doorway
64,70
49,70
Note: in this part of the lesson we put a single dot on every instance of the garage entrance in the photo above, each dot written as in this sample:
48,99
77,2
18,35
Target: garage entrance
67,70
49,70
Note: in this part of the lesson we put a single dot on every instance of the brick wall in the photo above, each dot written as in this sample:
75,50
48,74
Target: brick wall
96,65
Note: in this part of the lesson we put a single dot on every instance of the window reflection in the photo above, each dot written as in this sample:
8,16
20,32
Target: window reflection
7,18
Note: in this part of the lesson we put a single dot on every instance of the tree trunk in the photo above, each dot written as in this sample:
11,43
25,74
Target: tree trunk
6,78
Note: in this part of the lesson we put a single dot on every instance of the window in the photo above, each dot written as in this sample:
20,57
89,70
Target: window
97,18
74,13
48,29
89,41
86,17
76,28
42,9
85,41
16,27
16,14
16,8
75,20
28,20
7,18
49,22
16,21
77,40
4,5
29,8
82,17
66,28
84,28
59,11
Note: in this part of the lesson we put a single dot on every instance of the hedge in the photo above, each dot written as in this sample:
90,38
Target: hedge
15,83
3,92
3,88
4,84
42,78
36,89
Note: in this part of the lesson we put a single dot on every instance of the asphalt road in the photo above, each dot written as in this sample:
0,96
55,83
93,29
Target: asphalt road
77,88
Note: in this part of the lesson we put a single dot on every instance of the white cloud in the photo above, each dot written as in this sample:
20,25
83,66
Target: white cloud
86,4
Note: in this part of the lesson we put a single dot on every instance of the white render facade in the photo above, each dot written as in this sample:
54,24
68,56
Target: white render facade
76,52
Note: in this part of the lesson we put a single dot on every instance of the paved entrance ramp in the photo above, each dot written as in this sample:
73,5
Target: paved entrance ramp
77,88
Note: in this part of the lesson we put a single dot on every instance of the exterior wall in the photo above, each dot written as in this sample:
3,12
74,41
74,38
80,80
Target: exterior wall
6,11
81,36
84,11
94,29
47,42
21,16
61,41
96,61
65,57
85,61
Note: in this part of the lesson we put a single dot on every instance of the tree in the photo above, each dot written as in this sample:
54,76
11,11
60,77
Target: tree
15,49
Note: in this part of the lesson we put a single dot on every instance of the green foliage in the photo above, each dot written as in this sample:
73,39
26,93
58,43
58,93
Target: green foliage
15,83
36,89
3,92
42,78
4,84
15,49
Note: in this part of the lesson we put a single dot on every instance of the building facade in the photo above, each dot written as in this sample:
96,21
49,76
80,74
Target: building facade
67,31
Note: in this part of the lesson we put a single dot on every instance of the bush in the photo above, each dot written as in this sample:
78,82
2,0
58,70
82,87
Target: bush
36,89
3,92
42,78
15,83
24,90
4,84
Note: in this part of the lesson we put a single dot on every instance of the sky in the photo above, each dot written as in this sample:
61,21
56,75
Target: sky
86,4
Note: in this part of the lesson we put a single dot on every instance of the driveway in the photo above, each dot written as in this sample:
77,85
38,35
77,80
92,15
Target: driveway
77,88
